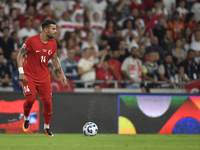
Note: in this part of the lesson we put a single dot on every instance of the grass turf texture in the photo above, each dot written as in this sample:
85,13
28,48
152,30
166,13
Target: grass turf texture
100,141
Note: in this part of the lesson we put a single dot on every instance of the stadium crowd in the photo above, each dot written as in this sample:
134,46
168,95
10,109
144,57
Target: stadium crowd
129,41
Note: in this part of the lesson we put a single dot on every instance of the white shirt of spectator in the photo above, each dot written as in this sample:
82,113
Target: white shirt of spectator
97,7
78,25
79,10
126,67
24,32
59,7
64,27
86,65
182,11
196,47
20,7
87,45
160,11
196,10
125,31
97,28
168,5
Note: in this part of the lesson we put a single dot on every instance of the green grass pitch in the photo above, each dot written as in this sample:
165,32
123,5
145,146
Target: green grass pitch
99,142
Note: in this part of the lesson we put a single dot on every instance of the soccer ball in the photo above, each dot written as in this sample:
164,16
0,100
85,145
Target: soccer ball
90,129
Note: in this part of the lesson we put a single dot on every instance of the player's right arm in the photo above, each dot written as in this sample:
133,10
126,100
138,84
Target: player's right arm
20,57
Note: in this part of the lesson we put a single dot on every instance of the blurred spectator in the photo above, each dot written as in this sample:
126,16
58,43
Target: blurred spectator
77,50
103,43
26,31
90,43
78,23
96,27
65,25
167,43
178,52
185,45
122,9
104,72
31,14
159,31
17,83
31,3
150,70
86,66
195,9
190,22
133,14
109,29
145,89
182,10
11,65
170,5
97,87
128,33
141,52
2,26
190,66
12,16
187,34
14,4
59,7
115,66
39,6
3,75
181,77
175,26
16,25
159,9
37,26
47,11
16,39
116,39
132,69
195,45
6,43
98,6
140,7
2,15
167,70
53,76
123,51
69,65
155,47
75,7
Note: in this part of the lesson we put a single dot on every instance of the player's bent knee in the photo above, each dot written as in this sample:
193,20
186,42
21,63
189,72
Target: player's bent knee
30,99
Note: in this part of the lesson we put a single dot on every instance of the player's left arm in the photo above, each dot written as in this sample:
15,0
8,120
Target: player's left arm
57,65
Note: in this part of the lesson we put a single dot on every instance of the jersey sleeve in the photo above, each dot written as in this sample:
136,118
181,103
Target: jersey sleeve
27,44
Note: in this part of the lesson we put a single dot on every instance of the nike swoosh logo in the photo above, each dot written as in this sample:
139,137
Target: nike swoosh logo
37,51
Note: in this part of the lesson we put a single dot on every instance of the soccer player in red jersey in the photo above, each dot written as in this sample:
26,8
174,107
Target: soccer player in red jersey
34,73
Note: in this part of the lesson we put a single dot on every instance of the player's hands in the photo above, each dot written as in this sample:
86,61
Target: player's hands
23,78
63,80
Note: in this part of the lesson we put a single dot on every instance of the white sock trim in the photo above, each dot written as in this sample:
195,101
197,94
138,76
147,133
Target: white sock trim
26,118
46,126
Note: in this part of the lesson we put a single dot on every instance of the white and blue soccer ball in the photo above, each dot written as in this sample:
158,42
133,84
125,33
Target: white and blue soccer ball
90,129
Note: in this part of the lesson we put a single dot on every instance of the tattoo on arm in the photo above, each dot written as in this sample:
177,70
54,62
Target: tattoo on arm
23,51
56,63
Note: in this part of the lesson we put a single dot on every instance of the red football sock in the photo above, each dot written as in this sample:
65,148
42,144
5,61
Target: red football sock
30,99
47,110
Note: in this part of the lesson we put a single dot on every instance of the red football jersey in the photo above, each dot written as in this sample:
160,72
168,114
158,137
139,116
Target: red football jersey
36,62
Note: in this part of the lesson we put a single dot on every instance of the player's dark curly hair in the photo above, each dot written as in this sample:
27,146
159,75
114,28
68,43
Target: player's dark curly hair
47,23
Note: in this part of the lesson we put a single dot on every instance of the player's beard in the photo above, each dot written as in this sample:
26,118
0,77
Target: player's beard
50,36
